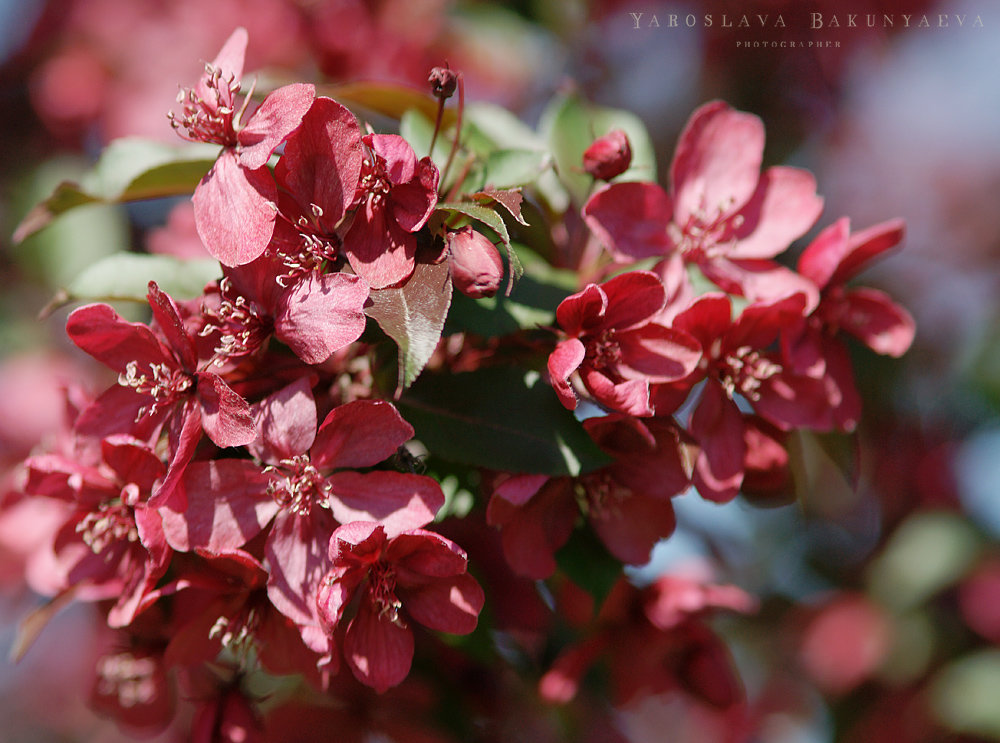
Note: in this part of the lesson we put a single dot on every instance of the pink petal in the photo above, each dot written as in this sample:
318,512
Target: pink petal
378,650
519,489
531,534
359,434
630,396
783,208
277,117
633,297
658,354
105,335
867,245
718,426
878,322
229,61
321,314
377,248
397,500
583,311
287,421
563,361
132,461
168,321
296,552
761,280
321,163
187,425
418,554
631,220
446,604
707,320
414,202
234,210
227,506
400,159
820,259
225,415
716,166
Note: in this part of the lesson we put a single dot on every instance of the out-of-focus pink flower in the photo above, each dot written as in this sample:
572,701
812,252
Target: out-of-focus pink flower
415,574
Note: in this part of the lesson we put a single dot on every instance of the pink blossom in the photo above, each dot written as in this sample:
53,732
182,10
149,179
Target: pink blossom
414,574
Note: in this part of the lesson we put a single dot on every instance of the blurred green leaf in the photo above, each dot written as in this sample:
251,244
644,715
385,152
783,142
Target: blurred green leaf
389,99
927,553
963,695
129,169
570,124
499,418
587,562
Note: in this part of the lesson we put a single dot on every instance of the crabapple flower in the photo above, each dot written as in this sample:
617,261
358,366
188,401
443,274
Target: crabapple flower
615,348
395,198
737,364
234,202
869,315
112,544
304,485
411,575
317,177
159,384
721,214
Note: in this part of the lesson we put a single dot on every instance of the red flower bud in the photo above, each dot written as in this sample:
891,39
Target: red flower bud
443,82
608,156
476,268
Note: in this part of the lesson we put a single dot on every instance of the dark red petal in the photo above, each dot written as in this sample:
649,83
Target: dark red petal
187,425
321,163
446,604
227,506
321,314
582,312
630,396
105,335
633,297
335,592
418,554
631,220
718,426
716,166
377,248
865,246
277,117
168,320
658,354
378,650
287,421
414,202
760,323
630,527
359,434
761,280
519,489
878,322
707,320
782,209
133,461
532,534
563,361
234,210
400,159
820,259
225,415
356,543
397,500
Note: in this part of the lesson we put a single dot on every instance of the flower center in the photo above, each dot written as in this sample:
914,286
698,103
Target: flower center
603,496
744,370
213,120
603,351
128,678
237,634
382,592
241,325
112,523
375,183
165,385
301,487
700,239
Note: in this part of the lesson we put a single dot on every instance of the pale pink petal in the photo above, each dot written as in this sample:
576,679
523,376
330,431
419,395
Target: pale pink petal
359,434
631,220
878,322
783,208
277,117
563,361
397,500
225,416
321,314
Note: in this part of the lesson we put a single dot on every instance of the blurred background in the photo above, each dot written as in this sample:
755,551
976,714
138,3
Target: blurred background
880,603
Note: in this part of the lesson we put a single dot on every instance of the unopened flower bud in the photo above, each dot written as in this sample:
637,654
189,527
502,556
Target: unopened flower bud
608,156
443,82
476,268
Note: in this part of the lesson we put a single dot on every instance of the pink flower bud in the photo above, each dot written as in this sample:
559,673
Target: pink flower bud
608,156
476,268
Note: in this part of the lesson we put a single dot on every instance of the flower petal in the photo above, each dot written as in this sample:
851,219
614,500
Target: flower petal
397,500
446,604
277,117
378,650
321,314
359,434
631,220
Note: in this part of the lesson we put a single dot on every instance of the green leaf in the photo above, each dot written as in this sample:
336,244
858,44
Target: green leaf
413,315
126,276
514,167
963,695
495,222
418,130
499,418
571,124
129,169
587,562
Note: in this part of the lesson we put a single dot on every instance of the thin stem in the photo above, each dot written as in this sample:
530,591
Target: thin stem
437,127
458,128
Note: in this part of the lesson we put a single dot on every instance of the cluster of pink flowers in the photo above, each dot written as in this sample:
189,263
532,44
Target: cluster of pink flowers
242,495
